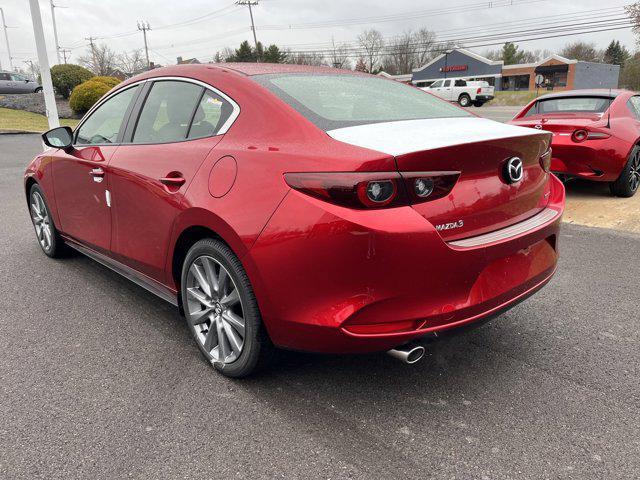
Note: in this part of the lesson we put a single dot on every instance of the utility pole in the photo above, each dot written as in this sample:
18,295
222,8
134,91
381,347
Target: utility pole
93,50
43,60
55,29
64,52
6,38
143,26
253,26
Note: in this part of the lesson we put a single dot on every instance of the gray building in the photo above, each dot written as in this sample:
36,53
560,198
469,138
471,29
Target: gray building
558,73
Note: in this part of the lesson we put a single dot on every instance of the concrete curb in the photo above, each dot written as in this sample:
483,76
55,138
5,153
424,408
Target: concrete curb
19,132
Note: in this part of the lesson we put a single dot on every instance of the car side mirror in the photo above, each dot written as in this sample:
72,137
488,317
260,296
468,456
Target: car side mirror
61,137
26,80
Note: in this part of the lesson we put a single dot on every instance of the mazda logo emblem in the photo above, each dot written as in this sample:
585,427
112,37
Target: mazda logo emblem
514,170
539,127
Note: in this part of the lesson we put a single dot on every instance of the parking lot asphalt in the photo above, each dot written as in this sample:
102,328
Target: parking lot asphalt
100,379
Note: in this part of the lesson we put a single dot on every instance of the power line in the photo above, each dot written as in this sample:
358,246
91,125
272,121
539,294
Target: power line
485,5
506,35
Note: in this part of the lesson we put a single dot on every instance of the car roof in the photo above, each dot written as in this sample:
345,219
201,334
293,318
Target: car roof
597,92
250,68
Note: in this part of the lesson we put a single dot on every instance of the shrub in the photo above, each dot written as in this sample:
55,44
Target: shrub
85,95
66,77
111,81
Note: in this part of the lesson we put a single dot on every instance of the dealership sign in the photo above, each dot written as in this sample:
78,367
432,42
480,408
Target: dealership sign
454,68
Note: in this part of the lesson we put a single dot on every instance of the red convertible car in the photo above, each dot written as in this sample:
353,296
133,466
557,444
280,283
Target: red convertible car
301,207
596,135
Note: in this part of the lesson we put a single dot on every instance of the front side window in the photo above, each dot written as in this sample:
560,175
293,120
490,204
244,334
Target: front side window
570,105
167,112
335,101
17,78
104,124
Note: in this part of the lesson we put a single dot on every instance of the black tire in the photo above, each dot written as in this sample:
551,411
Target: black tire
464,100
257,350
53,245
478,104
628,182
38,90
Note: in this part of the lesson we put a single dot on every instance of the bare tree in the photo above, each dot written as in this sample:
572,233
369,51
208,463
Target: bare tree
131,63
372,43
33,69
399,54
100,59
584,51
306,58
425,42
339,56
633,11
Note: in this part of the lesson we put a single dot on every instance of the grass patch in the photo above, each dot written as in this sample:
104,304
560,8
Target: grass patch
28,122
515,99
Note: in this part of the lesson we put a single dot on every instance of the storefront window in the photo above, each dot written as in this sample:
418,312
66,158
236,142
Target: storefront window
515,82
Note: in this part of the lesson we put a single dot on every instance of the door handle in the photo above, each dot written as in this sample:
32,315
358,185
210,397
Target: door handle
97,174
172,181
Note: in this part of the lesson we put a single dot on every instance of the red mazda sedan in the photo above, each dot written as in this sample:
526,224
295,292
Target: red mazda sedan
596,135
304,208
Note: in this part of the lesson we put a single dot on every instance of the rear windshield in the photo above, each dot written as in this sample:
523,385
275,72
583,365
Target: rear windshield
337,101
570,105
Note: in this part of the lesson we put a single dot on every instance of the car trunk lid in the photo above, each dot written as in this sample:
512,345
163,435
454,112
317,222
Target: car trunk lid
484,198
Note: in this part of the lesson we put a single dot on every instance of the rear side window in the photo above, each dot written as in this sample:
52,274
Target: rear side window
211,114
336,101
104,124
461,83
5,76
167,112
570,105
634,106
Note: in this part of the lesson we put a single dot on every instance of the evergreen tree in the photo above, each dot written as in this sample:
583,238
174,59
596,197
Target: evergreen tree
244,53
616,54
361,65
511,55
274,55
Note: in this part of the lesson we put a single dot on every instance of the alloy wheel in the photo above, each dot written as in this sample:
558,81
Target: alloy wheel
634,172
41,221
215,310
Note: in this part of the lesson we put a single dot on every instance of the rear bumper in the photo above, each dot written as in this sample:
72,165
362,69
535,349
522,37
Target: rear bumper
484,98
344,281
597,160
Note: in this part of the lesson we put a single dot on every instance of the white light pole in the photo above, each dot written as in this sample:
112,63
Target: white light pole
43,60
6,38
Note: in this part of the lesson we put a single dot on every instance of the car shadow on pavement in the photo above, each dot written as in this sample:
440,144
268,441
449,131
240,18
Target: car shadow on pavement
577,188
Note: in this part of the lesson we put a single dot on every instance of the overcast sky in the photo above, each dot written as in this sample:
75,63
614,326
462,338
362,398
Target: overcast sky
284,22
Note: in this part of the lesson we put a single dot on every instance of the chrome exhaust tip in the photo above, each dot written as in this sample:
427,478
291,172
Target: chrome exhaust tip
408,354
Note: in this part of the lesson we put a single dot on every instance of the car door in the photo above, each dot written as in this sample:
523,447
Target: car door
6,84
436,88
20,84
177,126
447,90
80,176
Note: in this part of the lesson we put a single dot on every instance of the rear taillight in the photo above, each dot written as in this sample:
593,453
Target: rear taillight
373,190
479,90
581,135
545,161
